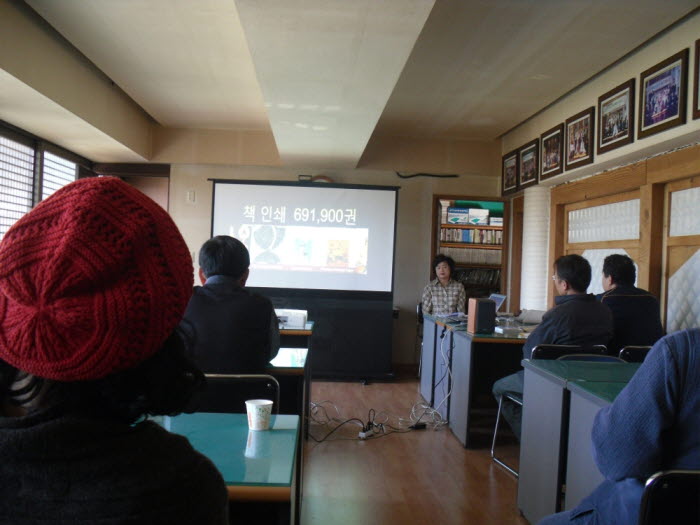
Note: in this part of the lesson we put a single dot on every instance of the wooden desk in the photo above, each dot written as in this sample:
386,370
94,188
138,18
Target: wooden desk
296,337
291,369
582,474
475,361
547,429
256,466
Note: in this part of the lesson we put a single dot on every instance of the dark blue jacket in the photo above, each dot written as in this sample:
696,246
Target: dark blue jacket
636,317
574,320
653,425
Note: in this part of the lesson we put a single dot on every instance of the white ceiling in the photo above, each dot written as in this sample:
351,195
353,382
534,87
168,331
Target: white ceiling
325,75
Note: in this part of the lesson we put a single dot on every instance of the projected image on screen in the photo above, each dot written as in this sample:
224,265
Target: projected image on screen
303,248
311,237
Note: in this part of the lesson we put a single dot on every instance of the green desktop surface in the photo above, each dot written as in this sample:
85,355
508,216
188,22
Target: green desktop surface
601,391
244,457
584,370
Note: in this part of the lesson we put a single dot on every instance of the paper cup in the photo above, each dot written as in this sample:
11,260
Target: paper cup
259,411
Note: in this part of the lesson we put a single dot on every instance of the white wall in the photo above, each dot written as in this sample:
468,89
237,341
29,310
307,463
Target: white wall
190,207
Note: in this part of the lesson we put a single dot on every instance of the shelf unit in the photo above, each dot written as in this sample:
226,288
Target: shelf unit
480,266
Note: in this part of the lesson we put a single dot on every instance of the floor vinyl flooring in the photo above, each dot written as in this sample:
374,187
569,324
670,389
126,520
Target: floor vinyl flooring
418,477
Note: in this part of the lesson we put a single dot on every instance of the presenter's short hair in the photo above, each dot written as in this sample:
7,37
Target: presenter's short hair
224,255
620,268
440,258
575,270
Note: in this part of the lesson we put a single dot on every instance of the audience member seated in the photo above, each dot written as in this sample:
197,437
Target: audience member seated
636,313
235,331
93,283
653,425
576,319
443,295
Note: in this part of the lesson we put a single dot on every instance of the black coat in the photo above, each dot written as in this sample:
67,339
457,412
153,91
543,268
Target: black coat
575,320
636,317
58,470
235,331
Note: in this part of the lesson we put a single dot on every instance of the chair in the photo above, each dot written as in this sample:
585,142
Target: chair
568,352
516,399
557,351
671,496
591,357
634,354
419,336
227,393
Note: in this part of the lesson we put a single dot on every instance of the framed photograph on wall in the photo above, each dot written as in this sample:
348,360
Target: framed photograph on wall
616,117
663,90
528,158
510,172
696,83
579,139
551,160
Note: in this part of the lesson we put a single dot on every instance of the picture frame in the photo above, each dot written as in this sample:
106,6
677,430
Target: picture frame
662,95
509,180
528,161
578,149
616,117
696,83
552,152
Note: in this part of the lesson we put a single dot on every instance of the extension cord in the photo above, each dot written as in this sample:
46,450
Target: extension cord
365,434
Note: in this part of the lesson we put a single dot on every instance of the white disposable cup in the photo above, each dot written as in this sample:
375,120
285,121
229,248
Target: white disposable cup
259,411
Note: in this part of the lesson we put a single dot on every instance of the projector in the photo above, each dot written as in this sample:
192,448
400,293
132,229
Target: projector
292,319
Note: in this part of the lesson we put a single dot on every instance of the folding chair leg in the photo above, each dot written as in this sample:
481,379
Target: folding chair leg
493,443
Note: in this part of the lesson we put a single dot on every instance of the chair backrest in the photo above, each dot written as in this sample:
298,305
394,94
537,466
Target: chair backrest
556,351
591,357
634,354
227,393
419,312
671,496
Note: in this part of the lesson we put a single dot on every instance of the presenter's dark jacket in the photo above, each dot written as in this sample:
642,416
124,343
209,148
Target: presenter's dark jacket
636,317
235,331
62,469
575,320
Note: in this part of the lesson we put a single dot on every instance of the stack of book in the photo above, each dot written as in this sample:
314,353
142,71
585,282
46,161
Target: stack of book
471,236
473,256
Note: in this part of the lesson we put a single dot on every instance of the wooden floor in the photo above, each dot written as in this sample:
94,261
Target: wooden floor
420,477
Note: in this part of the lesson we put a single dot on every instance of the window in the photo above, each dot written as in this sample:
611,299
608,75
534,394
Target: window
16,182
23,182
57,173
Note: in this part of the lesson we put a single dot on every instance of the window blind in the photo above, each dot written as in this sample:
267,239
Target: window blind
16,182
57,173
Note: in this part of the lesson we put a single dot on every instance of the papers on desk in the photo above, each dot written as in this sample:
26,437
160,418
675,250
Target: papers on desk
457,317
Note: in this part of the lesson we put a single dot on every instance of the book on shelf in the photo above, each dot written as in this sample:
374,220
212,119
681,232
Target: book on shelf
443,210
487,278
457,215
471,236
473,255
478,216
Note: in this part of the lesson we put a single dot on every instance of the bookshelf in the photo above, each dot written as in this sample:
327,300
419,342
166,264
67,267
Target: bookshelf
471,231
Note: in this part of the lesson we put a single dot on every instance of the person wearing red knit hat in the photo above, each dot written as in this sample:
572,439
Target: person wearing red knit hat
94,282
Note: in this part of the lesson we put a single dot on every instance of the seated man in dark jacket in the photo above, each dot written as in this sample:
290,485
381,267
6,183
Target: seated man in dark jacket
636,313
236,331
576,319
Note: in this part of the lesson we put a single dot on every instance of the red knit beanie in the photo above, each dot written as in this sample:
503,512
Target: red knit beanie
92,281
